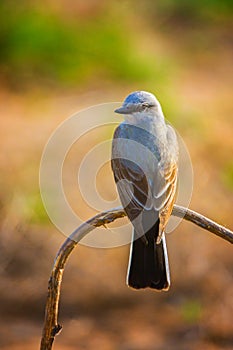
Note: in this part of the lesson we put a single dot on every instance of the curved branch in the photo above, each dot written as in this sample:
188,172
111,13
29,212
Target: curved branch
203,222
51,326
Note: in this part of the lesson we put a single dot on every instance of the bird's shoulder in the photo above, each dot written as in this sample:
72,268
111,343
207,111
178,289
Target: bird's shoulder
126,130
138,133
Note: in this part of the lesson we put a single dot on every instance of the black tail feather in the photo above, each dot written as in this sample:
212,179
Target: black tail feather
148,265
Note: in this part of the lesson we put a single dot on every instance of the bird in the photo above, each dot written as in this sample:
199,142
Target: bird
144,162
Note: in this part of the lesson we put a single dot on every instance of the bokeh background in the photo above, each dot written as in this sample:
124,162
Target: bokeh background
57,57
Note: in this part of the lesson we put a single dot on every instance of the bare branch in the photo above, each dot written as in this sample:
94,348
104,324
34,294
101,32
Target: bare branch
51,326
203,222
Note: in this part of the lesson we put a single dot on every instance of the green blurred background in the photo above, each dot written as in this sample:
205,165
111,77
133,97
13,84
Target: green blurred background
59,57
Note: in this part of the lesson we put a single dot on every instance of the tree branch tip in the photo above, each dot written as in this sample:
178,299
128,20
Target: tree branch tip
56,330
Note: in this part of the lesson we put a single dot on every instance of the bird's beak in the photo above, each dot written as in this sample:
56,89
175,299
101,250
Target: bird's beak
122,110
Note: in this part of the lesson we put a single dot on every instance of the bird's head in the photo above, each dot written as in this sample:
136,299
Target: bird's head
137,102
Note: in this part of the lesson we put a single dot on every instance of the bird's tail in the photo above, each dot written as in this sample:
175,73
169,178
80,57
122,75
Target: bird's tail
148,262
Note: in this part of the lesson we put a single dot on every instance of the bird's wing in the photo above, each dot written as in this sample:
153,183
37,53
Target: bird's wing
134,191
171,177
132,185
165,187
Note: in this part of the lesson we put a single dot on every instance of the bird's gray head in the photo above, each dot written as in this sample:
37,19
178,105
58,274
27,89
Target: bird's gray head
137,102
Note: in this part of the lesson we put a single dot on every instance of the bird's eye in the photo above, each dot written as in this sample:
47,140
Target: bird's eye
145,105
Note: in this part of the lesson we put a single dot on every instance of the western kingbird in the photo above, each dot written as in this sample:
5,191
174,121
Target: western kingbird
145,167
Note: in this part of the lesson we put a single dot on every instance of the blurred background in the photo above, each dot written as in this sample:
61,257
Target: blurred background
59,57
